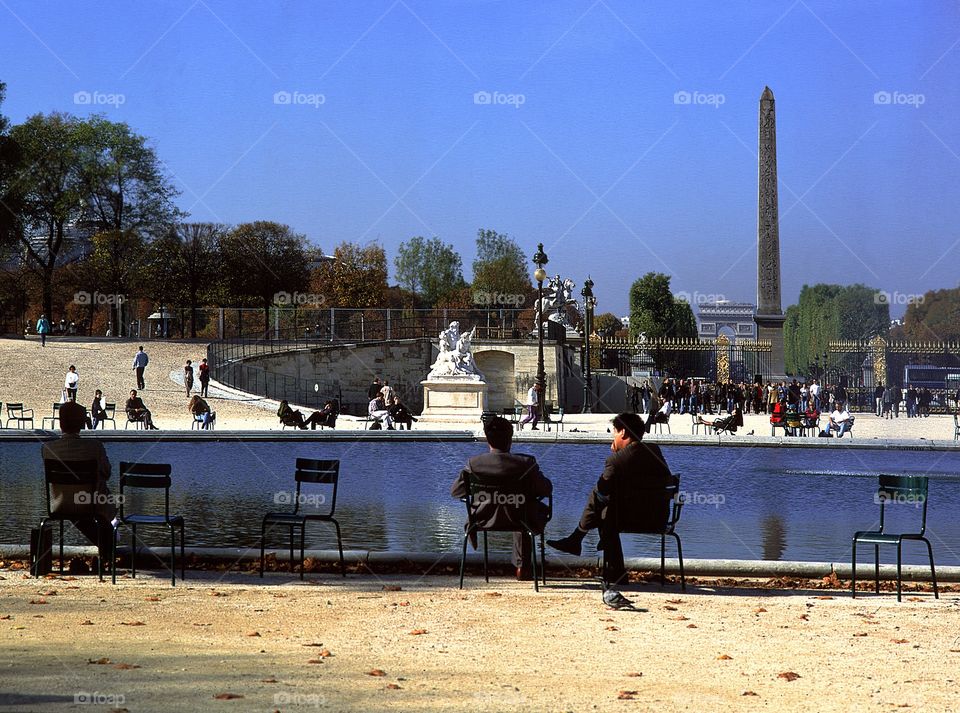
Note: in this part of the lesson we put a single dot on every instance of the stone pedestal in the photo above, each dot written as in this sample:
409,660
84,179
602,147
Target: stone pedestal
770,327
451,400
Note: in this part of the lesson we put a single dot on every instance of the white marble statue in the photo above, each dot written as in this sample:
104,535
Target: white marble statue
557,295
455,360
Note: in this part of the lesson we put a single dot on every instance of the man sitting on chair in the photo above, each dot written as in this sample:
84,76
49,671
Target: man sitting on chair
501,462
70,447
138,411
661,416
632,465
840,420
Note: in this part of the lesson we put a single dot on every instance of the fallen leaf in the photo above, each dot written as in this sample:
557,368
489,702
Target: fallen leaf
824,596
49,593
860,633
680,618
392,588
899,641
125,666
626,695
4,618
748,693
269,680
634,674
393,686
674,601
418,632
252,633
759,610
724,657
805,617
151,599
38,601
492,594
102,661
315,661
226,696
132,623
215,593
788,675
669,608
86,623
613,628
691,626
376,672
201,624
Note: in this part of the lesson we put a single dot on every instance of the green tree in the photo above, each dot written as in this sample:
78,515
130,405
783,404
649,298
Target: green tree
124,183
9,201
430,268
501,266
655,312
356,277
261,260
48,192
193,250
934,317
607,324
117,262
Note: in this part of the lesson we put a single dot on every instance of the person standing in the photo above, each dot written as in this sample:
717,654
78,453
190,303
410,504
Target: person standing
43,329
503,465
70,382
188,377
204,370
533,411
140,361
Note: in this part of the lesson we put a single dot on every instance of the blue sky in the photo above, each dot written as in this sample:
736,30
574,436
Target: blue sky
585,143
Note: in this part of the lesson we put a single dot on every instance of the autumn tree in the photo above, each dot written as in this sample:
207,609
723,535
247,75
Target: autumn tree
430,268
356,277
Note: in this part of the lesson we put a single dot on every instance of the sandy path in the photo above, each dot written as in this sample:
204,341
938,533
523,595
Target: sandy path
496,647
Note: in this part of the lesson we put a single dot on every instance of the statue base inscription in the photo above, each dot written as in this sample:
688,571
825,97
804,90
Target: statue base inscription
770,327
449,400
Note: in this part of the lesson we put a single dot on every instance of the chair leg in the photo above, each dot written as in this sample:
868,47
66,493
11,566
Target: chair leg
113,554
683,580
663,558
61,547
133,552
303,538
291,548
876,567
933,571
173,556
533,560
899,567
853,571
183,557
100,548
263,535
463,556
486,574
343,568
543,560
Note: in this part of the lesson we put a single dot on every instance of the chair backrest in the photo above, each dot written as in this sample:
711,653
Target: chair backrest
56,410
110,408
903,490
153,476
12,409
80,480
643,509
508,500
318,472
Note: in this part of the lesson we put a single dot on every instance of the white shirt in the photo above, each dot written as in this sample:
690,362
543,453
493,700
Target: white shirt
666,408
840,416
814,389
71,380
532,396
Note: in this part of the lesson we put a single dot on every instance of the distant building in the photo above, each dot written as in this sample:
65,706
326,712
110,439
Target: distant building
733,319
625,322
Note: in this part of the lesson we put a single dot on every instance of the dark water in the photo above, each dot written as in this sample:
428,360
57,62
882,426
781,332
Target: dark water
760,503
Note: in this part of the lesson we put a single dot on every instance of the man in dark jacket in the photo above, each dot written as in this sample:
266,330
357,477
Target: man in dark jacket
498,464
632,469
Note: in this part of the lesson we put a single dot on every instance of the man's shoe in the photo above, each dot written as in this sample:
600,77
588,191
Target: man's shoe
524,574
570,545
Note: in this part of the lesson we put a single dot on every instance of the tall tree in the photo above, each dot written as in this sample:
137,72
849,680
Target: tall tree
655,312
48,191
9,201
430,268
501,266
118,260
934,317
263,259
607,324
195,257
356,277
124,183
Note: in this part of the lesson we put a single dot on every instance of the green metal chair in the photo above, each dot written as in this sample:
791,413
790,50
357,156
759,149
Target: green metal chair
909,490
313,472
149,476
956,428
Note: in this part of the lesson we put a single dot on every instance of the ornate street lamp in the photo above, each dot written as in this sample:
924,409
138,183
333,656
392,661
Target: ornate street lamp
589,302
540,259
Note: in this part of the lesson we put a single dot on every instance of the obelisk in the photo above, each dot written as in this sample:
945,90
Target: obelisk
769,317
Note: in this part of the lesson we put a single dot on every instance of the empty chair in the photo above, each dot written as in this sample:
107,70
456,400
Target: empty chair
644,511
909,491
54,419
19,415
325,475
554,418
148,477
76,499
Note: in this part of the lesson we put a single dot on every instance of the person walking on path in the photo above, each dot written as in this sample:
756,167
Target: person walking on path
204,370
70,382
140,361
533,410
43,329
188,377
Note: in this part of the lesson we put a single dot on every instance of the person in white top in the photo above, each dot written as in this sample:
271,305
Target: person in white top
815,393
661,416
70,382
840,420
533,411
